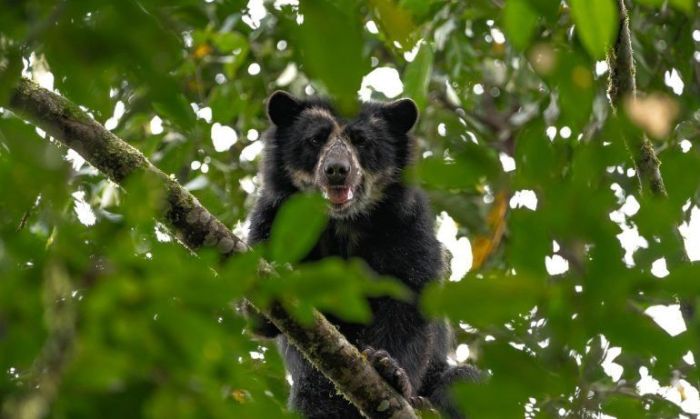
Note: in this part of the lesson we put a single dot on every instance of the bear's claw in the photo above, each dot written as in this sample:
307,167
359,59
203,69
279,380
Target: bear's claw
390,370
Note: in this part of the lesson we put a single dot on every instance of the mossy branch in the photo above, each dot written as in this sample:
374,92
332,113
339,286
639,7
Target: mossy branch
622,81
621,86
322,344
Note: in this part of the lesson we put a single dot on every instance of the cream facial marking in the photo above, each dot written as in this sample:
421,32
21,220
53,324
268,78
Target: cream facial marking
335,144
300,179
342,196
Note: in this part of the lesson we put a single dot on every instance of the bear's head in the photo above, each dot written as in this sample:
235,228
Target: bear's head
350,161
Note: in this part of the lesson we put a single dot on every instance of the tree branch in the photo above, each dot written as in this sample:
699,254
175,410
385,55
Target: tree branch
44,377
622,80
622,85
322,344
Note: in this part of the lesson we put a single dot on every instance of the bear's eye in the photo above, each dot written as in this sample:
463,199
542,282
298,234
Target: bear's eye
318,136
316,139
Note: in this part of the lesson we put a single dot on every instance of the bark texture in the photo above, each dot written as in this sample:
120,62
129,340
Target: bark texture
622,85
322,344
622,82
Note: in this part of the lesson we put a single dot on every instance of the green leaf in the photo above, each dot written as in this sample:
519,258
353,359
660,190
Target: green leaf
395,23
420,9
229,42
683,281
534,155
683,5
465,171
334,286
417,75
297,226
574,80
221,100
9,72
448,175
548,9
653,3
596,24
640,335
503,394
623,406
176,109
519,22
334,24
483,302
236,46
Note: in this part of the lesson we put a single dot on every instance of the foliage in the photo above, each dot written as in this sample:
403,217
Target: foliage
112,319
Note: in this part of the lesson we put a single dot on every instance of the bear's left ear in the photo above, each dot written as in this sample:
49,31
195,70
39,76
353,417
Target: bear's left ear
283,108
401,114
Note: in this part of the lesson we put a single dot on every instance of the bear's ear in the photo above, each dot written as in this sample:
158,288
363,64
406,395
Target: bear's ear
401,114
282,108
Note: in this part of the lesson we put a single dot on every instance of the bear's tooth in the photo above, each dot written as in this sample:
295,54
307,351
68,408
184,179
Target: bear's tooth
349,194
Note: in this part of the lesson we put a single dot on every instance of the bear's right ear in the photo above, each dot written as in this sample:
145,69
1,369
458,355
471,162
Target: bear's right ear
283,108
401,114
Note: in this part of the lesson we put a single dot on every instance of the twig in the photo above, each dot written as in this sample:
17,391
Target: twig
27,214
46,373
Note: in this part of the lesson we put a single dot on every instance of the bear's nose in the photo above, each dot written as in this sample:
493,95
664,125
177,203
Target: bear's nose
337,171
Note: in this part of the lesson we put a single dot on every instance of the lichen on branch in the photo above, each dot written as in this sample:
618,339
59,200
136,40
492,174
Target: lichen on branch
622,80
622,85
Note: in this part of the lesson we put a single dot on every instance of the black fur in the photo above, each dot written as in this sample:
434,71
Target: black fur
393,234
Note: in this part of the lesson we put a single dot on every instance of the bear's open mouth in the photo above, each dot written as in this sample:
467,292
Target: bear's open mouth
339,195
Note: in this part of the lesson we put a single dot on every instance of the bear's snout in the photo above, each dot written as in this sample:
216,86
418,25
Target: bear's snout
337,164
336,171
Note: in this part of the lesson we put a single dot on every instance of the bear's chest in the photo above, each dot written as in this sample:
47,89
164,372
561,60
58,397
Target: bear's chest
371,244
341,240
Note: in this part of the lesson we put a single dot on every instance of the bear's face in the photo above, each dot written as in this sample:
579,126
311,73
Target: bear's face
350,161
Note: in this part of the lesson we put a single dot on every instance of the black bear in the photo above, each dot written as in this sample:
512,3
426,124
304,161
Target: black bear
358,165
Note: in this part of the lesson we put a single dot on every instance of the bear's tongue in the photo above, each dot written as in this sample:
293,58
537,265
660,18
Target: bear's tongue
339,195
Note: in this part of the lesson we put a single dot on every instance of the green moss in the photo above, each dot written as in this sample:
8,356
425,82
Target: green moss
648,165
73,111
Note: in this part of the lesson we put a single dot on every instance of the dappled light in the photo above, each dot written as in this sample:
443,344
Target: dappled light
557,142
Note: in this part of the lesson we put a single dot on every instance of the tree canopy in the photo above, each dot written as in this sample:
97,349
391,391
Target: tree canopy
558,142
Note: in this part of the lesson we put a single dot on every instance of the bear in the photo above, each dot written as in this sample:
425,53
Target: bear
358,165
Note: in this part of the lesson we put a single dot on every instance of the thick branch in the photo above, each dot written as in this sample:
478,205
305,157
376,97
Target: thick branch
66,122
322,344
622,82
622,85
